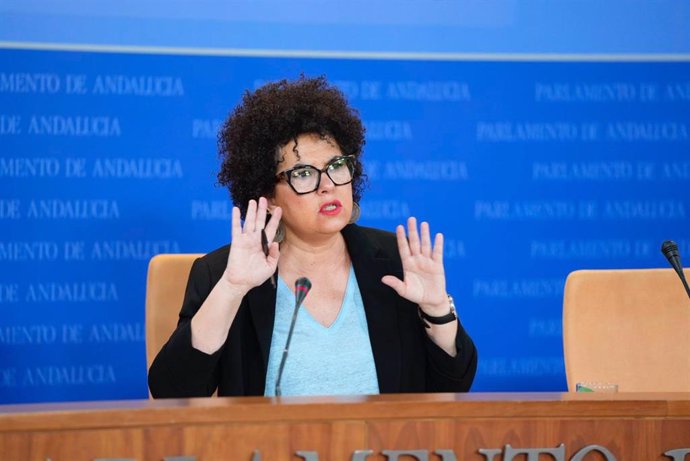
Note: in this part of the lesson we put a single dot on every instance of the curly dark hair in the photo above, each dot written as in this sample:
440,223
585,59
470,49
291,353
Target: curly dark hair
269,118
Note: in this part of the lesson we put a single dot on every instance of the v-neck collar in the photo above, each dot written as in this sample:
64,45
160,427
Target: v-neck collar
348,299
370,264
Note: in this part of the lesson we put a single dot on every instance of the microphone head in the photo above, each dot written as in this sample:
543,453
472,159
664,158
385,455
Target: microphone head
302,287
670,249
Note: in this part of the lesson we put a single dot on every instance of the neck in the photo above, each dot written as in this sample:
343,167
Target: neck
313,256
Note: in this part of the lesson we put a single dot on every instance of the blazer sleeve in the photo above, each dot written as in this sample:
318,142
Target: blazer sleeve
451,374
179,370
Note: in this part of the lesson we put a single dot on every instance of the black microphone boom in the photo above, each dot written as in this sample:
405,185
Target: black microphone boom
670,250
302,287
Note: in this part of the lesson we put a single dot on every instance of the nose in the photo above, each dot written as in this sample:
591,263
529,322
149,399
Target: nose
326,184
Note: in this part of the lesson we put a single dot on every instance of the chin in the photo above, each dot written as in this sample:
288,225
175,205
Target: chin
335,225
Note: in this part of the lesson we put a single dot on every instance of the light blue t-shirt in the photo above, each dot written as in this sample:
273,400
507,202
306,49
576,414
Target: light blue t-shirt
322,360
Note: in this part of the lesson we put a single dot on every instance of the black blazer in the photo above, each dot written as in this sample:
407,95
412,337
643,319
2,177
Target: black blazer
406,359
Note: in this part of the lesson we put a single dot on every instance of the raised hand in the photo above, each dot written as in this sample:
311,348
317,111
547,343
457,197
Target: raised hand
424,277
248,265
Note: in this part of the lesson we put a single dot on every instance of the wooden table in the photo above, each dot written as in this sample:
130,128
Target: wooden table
448,427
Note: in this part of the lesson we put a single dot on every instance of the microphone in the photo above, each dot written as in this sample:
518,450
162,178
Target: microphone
670,249
302,287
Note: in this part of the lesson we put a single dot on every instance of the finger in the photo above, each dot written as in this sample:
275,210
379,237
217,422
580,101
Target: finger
273,253
261,214
438,248
395,283
250,217
403,245
272,225
236,222
426,239
413,236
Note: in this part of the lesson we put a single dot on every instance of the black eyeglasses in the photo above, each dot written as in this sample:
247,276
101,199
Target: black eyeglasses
306,178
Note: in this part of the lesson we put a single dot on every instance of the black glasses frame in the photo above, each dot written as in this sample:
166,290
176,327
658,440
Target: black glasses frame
286,174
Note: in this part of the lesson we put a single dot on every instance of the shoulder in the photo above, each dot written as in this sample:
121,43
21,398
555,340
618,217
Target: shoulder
375,235
212,264
369,239
217,256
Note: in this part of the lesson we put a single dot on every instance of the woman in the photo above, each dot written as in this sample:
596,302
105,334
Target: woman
377,319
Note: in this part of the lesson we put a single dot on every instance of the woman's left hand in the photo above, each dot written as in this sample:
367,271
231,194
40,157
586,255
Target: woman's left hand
424,277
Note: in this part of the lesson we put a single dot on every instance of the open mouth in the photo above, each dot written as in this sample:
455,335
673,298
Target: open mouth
331,208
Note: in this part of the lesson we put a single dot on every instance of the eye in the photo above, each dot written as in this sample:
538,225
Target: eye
302,173
337,163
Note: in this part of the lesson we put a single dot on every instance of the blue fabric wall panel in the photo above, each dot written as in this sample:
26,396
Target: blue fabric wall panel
530,169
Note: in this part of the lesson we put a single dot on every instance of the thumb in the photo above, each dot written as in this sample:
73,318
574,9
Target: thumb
395,283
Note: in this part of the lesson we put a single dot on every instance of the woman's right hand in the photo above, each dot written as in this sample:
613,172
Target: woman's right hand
248,266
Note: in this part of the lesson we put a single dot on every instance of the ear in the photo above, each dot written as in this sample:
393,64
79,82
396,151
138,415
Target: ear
271,204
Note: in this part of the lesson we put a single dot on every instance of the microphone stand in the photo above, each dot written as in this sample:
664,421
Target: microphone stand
302,287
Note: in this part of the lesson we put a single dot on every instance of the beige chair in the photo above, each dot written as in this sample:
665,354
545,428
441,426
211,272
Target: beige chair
165,286
627,327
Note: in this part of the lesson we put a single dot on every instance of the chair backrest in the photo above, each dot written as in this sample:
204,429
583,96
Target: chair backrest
627,327
165,287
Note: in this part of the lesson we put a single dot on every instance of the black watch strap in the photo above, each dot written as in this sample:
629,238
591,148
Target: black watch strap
442,320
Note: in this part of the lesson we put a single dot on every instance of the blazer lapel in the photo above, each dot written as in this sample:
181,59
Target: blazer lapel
261,302
380,304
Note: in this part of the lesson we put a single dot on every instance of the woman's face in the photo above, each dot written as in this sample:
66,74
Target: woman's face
316,214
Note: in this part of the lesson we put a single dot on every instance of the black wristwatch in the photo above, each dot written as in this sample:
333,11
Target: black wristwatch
442,320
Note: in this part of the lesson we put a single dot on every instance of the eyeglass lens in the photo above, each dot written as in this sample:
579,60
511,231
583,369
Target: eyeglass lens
306,179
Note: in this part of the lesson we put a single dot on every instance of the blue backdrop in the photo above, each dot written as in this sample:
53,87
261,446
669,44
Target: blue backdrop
532,168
